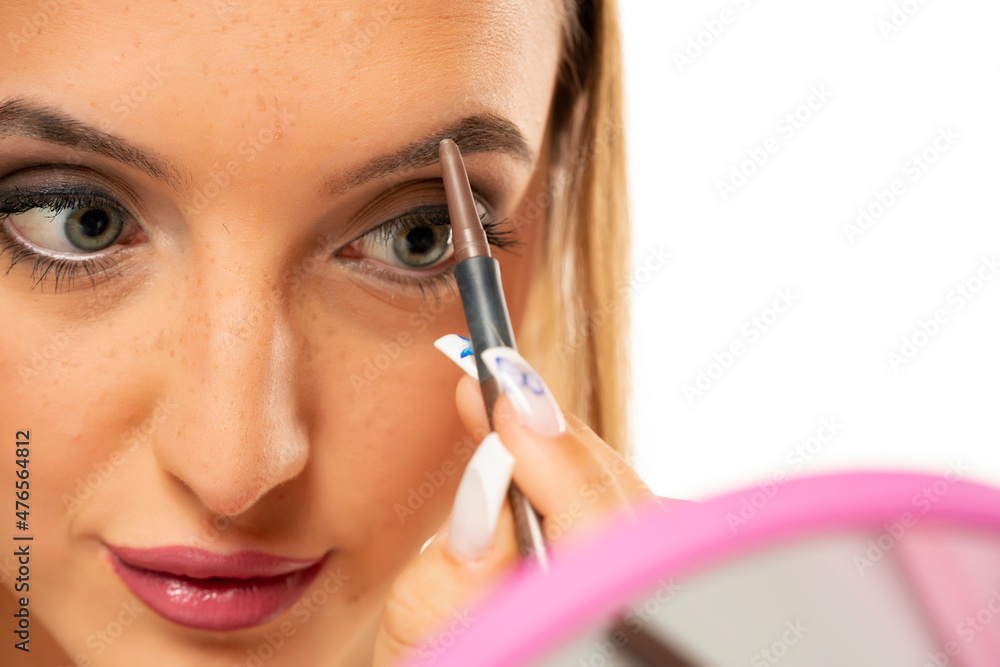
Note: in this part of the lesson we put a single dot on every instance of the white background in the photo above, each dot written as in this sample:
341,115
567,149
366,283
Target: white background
891,91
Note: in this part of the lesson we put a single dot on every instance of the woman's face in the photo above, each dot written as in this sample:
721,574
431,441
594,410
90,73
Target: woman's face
225,341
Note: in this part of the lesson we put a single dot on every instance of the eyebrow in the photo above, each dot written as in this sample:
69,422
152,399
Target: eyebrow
474,134
21,117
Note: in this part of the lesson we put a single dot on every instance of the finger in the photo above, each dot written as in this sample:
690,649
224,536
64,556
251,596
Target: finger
470,553
437,588
563,477
471,410
563,467
629,480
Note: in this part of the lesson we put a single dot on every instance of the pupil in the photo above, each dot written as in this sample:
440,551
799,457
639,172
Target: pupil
94,222
420,240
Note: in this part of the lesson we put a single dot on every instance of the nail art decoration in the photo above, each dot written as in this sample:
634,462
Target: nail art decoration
459,349
480,496
535,405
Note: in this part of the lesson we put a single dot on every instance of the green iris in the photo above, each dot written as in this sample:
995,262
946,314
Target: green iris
92,228
421,245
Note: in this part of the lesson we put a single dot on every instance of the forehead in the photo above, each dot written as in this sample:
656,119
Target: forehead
359,73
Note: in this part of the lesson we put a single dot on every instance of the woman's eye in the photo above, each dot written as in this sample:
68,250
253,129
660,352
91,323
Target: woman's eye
418,239
83,227
421,246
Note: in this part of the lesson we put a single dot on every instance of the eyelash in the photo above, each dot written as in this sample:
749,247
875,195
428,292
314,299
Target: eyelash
498,234
65,270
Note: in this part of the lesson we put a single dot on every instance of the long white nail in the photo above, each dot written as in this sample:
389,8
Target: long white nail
458,349
480,496
535,405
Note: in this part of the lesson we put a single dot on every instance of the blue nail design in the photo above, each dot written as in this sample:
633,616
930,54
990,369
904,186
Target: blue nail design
467,352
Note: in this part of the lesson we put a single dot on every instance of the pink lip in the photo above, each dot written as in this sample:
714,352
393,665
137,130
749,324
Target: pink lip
200,589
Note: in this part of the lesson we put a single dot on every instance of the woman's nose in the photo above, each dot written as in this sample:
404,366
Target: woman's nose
240,433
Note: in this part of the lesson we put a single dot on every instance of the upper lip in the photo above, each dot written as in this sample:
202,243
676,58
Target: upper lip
202,564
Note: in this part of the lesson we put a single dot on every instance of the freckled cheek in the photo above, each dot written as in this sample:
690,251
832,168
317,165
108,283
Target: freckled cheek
391,425
76,390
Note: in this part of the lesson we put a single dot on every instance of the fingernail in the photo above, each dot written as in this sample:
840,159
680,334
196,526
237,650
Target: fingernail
480,496
458,349
535,405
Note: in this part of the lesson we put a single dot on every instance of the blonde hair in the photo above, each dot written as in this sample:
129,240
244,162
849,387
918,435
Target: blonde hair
576,322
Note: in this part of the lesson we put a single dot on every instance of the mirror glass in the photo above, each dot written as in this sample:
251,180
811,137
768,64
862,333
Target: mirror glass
919,595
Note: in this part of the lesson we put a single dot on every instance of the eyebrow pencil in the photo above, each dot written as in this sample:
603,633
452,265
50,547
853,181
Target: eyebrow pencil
478,276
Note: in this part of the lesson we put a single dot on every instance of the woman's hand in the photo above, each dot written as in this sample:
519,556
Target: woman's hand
572,477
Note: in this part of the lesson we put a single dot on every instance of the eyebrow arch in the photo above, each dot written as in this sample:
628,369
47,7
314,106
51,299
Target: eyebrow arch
21,117
475,134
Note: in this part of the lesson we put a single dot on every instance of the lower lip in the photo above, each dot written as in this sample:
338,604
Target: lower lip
217,603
